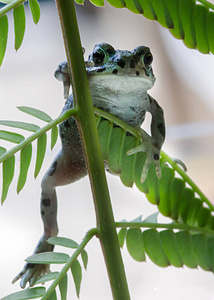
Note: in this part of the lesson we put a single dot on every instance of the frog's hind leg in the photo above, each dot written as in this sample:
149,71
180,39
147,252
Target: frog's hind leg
65,169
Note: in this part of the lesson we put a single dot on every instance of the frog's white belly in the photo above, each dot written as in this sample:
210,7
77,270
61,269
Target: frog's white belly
123,96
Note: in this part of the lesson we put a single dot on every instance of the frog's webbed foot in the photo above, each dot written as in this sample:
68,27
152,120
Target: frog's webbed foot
152,155
31,272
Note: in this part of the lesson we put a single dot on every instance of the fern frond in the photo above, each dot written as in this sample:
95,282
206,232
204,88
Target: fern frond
167,247
25,146
19,22
188,20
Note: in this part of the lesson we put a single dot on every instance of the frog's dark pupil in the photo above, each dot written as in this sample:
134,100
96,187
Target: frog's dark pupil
98,56
148,59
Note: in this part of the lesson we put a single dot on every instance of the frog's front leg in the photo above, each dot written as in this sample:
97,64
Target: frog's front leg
152,145
68,166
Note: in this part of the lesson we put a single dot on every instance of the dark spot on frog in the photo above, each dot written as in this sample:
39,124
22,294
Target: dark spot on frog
161,129
133,108
46,202
156,156
62,135
132,64
53,168
115,71
66,124
121,63
137,73
100,70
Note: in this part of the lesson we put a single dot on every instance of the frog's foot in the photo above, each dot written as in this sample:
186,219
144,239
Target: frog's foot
30,273
152,155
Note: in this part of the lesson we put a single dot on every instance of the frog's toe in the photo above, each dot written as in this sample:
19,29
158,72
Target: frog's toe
31,273
140,148
180,163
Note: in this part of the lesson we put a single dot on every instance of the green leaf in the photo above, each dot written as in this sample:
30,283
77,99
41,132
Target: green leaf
187,9
21,125
11,137
54,136
84,256
25,158
63,286
3,36
201,20
35,113
121,236
134,243
35,10
154,248
64,242
170,247
19,24
76,271
48,258
8,173
184,241
31,293
47,277
41,148
200,248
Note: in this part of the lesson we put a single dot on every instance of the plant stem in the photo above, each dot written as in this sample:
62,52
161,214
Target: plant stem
169,226
89,235
87,125
10,6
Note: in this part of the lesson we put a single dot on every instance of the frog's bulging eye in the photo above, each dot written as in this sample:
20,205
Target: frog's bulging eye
148,59
98,56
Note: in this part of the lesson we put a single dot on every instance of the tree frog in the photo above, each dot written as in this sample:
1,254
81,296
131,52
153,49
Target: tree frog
118,81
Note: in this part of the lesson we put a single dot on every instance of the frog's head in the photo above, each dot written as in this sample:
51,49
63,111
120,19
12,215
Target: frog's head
121,65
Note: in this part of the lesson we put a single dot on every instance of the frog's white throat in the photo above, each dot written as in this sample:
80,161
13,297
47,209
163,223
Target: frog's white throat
114,85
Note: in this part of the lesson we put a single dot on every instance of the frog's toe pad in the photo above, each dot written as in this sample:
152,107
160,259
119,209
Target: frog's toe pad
31,273
146,166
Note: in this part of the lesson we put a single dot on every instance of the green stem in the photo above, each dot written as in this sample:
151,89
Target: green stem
207,3
89,235
33,137
10,6
170,226
87,125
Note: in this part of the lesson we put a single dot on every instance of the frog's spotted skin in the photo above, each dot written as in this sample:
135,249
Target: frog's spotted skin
118,80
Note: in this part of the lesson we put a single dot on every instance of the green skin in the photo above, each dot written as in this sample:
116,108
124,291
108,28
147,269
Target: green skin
118,82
